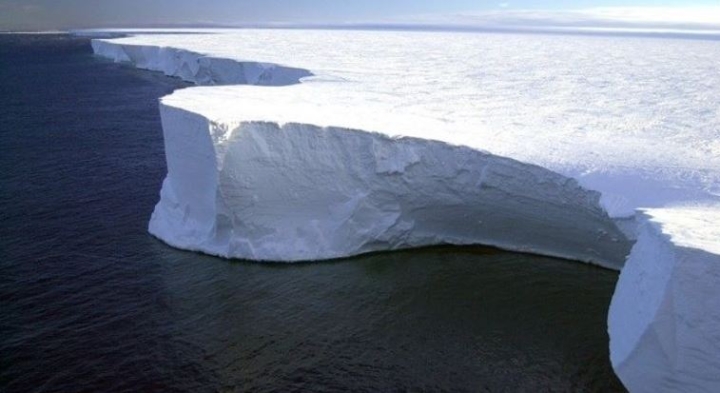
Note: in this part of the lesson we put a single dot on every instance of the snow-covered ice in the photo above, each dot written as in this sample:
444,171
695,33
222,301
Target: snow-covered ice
380,140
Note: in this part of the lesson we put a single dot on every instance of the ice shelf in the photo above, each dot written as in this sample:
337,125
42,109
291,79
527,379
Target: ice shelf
383,140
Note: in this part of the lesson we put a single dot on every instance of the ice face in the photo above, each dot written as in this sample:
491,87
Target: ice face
197,68
290,192
664,323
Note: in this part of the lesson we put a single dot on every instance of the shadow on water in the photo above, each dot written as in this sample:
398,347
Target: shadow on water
448,318
91,302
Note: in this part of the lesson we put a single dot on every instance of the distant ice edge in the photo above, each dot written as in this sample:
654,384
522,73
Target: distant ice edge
198,68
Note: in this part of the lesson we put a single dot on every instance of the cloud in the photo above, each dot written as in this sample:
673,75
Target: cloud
603,17
659,15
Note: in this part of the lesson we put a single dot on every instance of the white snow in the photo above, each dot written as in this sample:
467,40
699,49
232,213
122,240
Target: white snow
381,140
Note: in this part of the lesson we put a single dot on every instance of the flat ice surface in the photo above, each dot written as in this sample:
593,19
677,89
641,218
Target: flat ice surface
635,118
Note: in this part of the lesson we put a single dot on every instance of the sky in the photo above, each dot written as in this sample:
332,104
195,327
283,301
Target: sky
74,14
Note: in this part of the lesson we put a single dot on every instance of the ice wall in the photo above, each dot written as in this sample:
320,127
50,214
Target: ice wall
197,68
664,321
289,192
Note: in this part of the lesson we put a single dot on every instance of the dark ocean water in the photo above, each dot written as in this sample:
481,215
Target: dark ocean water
91,303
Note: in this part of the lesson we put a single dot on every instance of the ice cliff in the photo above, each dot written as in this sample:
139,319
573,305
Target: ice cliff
197,68
664,320
382,141
287,192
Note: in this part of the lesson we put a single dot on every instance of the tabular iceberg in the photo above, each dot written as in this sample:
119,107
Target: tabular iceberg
245,182
388,140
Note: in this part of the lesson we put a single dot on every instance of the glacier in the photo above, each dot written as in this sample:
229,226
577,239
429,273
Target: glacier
323,144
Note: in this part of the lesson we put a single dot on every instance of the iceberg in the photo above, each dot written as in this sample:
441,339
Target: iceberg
557,145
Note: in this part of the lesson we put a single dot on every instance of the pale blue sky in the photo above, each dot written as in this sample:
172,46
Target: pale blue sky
63,14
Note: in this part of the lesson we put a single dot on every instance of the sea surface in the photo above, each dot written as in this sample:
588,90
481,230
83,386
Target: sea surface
90,302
